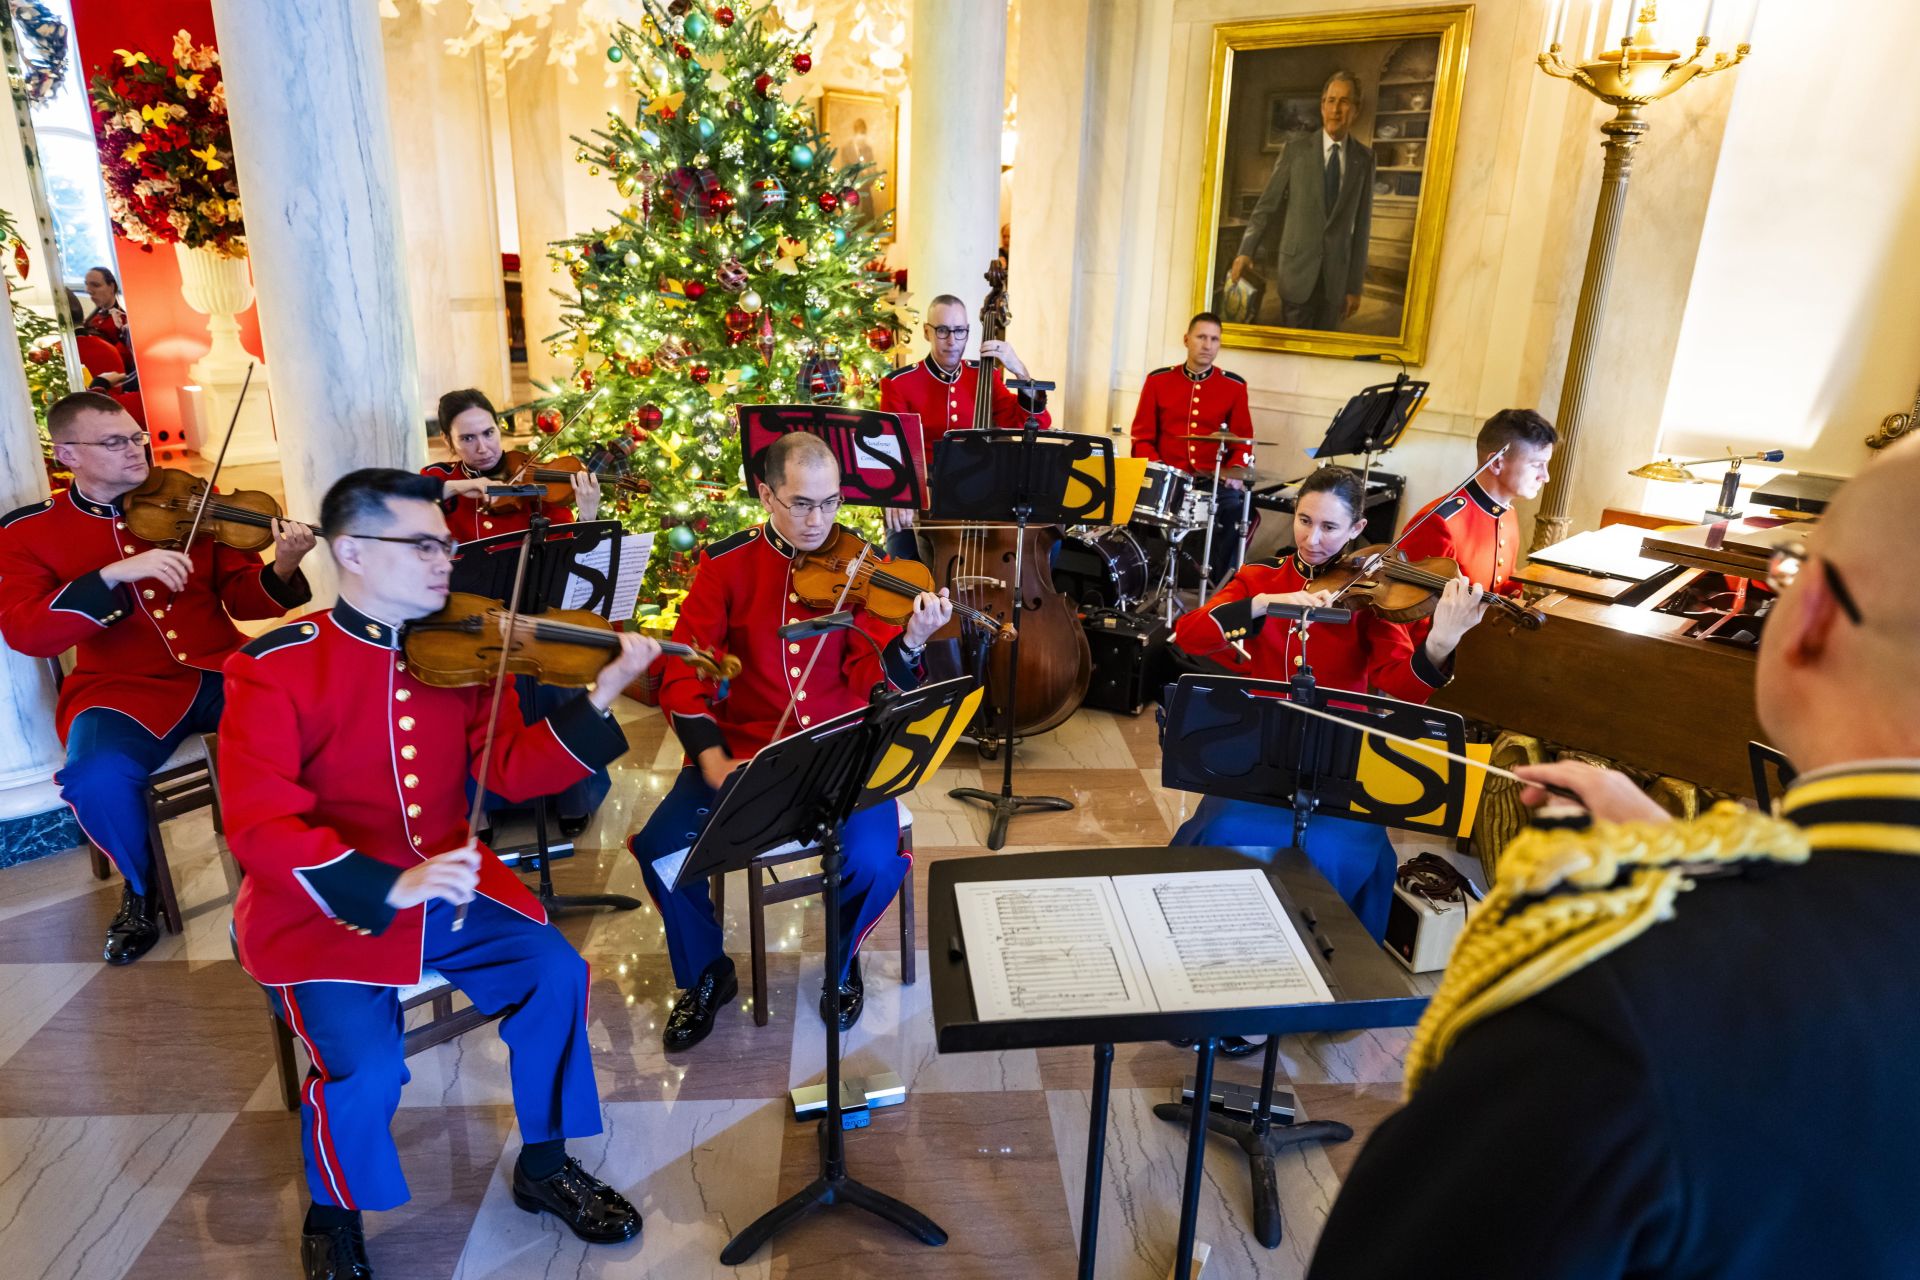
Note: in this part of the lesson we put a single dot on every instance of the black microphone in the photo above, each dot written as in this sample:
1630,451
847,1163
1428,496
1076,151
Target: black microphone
817,626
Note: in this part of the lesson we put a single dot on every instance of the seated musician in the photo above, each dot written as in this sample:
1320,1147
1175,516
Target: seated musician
1368,654
941,389
741,595
149,628
471,428
343,780
1477,528
1596,1085
472,432
1197,397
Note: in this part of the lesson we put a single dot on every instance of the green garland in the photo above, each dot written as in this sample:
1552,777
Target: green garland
39,336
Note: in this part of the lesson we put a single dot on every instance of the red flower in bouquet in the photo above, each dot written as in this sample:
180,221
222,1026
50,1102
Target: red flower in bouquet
166,151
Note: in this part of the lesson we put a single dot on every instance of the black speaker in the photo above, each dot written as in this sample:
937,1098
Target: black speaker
1125,648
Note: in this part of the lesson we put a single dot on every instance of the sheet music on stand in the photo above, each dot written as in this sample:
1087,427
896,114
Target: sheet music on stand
1088,946
623,586
589,564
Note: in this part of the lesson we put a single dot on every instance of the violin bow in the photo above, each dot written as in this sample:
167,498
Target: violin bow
1431,511
206,495
493,711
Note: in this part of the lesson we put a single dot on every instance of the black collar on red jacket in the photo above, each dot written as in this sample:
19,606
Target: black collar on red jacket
362,627
933,367
105,510
777,542
1198,377
1480,498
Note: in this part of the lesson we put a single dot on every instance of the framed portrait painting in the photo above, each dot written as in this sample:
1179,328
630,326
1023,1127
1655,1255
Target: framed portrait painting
863,128
1329,157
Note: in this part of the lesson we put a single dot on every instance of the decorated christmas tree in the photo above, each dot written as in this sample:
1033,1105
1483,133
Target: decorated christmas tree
39,335
745,267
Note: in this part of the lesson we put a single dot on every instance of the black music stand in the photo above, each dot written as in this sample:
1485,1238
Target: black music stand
487,568
987,476
804,787
1234,737
1373,421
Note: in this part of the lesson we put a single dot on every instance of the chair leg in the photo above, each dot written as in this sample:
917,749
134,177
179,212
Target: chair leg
909,961
757,933
97,859
717,890
162,873
287,1063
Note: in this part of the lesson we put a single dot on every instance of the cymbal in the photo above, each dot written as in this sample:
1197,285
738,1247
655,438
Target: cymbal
1227,437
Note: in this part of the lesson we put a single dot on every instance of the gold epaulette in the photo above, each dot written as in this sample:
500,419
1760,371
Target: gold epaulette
1562,899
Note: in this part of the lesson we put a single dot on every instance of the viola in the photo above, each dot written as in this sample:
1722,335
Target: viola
162,510
847,570
1402,590
606,460
461,645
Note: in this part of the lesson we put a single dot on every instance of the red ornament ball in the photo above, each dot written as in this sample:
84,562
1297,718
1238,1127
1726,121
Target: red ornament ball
549,421
719,202
586,382
737,320
646,366
850,198
723,16
802,63
633,368
649,416
762,83
21,262
829,202
682,51
695,291
40,355
700,373
880,338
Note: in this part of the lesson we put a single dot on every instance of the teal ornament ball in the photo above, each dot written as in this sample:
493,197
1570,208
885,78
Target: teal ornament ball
771,134
614,53
814,313
696,26
705,128
839,236
802,155
681,538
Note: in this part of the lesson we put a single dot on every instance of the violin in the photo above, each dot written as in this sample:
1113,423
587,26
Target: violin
162,510
460,646
606,460
846,570
1402,590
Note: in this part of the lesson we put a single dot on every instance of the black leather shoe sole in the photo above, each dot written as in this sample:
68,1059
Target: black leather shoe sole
678,1040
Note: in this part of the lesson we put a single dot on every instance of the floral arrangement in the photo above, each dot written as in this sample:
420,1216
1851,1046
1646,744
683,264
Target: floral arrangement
166,151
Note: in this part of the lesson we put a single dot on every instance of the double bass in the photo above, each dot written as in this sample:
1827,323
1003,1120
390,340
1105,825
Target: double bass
975,562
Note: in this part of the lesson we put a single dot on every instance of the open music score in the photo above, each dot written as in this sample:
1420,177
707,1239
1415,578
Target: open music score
1092,946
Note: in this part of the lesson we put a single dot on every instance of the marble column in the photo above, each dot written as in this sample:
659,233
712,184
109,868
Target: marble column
306,87
541,154
32,818
444,161
959,96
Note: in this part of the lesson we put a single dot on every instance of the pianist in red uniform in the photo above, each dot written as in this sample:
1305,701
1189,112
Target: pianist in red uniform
1367,655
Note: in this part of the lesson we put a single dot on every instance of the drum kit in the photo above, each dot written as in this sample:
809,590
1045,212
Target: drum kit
1134,568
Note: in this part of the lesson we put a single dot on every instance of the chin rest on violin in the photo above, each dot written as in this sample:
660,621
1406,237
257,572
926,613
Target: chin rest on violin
460,646
1402,590
162,509
604,460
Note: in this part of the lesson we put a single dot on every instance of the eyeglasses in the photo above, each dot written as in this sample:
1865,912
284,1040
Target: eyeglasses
116,443
944,332
1788,561
425,545
804,508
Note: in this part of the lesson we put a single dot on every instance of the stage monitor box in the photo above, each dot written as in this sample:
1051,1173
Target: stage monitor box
1123,646
1420,933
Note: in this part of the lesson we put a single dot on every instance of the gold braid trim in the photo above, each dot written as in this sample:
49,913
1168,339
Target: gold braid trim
1563,899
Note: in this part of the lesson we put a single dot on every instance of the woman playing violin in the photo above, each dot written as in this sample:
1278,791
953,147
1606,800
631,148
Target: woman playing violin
743,591
1366,655
471,427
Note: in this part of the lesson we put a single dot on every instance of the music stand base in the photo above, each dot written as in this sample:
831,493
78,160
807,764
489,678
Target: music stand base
588,901
1262,1147
830,1188
1007,807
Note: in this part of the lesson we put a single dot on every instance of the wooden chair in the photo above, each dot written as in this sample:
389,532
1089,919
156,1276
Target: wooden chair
760,895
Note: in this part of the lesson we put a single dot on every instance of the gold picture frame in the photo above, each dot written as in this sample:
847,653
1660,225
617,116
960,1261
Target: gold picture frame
1393,187
843,112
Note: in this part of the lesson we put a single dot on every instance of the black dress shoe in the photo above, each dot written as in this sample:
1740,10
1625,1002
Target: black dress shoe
571,827
692,1016
591,1209
337,1253
134,929
1240,1046
852,999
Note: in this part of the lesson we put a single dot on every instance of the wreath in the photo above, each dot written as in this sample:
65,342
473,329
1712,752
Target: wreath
47,60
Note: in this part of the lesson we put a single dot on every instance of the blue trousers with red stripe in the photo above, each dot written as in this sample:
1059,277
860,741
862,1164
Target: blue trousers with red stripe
870,877
109,756
504,962
1356,857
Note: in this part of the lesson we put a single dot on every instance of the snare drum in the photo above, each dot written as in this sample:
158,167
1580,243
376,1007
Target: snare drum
1114,568
1163,494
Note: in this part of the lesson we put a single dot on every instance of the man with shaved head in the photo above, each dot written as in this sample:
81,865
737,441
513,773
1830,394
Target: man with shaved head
1668,1049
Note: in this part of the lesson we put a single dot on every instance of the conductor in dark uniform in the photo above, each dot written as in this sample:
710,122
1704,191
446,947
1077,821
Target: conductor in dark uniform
1687,1049
1321,195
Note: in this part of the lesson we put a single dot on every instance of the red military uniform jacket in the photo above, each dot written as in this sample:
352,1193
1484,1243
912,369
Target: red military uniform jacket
468,523
944,400
1174,403
742,593
339,770
1472,530
1361,656
138,648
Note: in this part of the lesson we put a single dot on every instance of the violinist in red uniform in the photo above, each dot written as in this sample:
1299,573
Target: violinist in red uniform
941,389
471,428
1370,654
1476,528
742,593
149,629
343,783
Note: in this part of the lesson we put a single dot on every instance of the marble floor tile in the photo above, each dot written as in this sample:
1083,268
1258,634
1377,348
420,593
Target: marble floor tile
32,886
146,1039
895,1033
738,1060
80,1195
983,1169
1347,1057
32,993
1140,1199
698,1171
1361,1107
1157,1065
